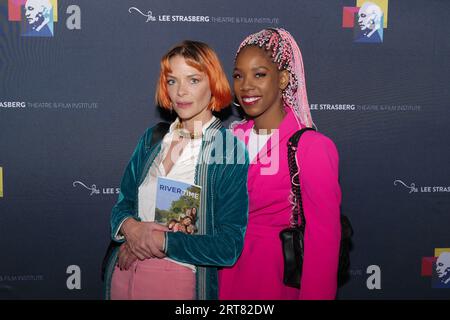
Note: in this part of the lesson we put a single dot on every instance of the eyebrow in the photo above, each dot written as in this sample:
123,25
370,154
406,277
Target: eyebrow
188,76
255,68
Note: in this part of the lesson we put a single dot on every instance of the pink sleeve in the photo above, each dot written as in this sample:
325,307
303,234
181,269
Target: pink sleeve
319,165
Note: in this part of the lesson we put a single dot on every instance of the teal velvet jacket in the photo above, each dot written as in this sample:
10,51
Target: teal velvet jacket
221,170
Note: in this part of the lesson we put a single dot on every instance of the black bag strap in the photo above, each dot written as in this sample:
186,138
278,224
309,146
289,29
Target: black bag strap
346,227
294,172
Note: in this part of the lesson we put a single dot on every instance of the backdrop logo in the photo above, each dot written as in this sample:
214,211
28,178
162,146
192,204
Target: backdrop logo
166,17
412,188
346,107
368,19
1,182
38,17
421,189
438,268
372,274
94,190
148,16
74,279
373,282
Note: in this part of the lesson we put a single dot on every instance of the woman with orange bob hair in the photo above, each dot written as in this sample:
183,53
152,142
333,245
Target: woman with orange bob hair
150,261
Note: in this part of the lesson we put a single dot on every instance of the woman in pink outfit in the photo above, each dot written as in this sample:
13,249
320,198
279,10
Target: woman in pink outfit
269,84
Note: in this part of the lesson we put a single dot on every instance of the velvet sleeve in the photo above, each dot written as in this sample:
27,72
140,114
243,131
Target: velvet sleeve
125,205
224,244
319,166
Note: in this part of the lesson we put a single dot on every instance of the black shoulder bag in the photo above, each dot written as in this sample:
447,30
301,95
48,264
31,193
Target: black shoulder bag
158,133
292,238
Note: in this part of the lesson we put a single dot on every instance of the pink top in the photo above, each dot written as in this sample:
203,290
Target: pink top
258,274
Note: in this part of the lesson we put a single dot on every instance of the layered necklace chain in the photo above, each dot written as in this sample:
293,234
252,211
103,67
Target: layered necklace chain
183,133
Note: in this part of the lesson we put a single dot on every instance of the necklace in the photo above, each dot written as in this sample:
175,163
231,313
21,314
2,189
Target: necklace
183,133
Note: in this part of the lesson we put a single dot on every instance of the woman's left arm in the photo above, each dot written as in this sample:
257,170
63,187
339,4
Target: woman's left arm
223,246
319,173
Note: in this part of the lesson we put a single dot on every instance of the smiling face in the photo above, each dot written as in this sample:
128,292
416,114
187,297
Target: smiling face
187,221
258,83
189,91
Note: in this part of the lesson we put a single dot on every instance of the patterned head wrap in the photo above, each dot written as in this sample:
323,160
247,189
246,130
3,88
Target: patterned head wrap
286,54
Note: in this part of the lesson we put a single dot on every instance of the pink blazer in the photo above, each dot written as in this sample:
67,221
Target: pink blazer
258,272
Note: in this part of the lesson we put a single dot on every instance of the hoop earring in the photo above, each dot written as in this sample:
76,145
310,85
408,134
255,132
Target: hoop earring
236,102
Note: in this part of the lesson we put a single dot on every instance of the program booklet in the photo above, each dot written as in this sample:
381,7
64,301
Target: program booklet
177,204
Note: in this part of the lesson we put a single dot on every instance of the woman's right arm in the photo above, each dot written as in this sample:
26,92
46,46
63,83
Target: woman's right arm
125,222
124,207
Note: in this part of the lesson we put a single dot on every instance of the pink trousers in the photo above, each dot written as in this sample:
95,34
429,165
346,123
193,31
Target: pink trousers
153,279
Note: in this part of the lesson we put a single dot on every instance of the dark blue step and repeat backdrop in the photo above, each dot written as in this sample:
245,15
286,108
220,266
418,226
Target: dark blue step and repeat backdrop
77,81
